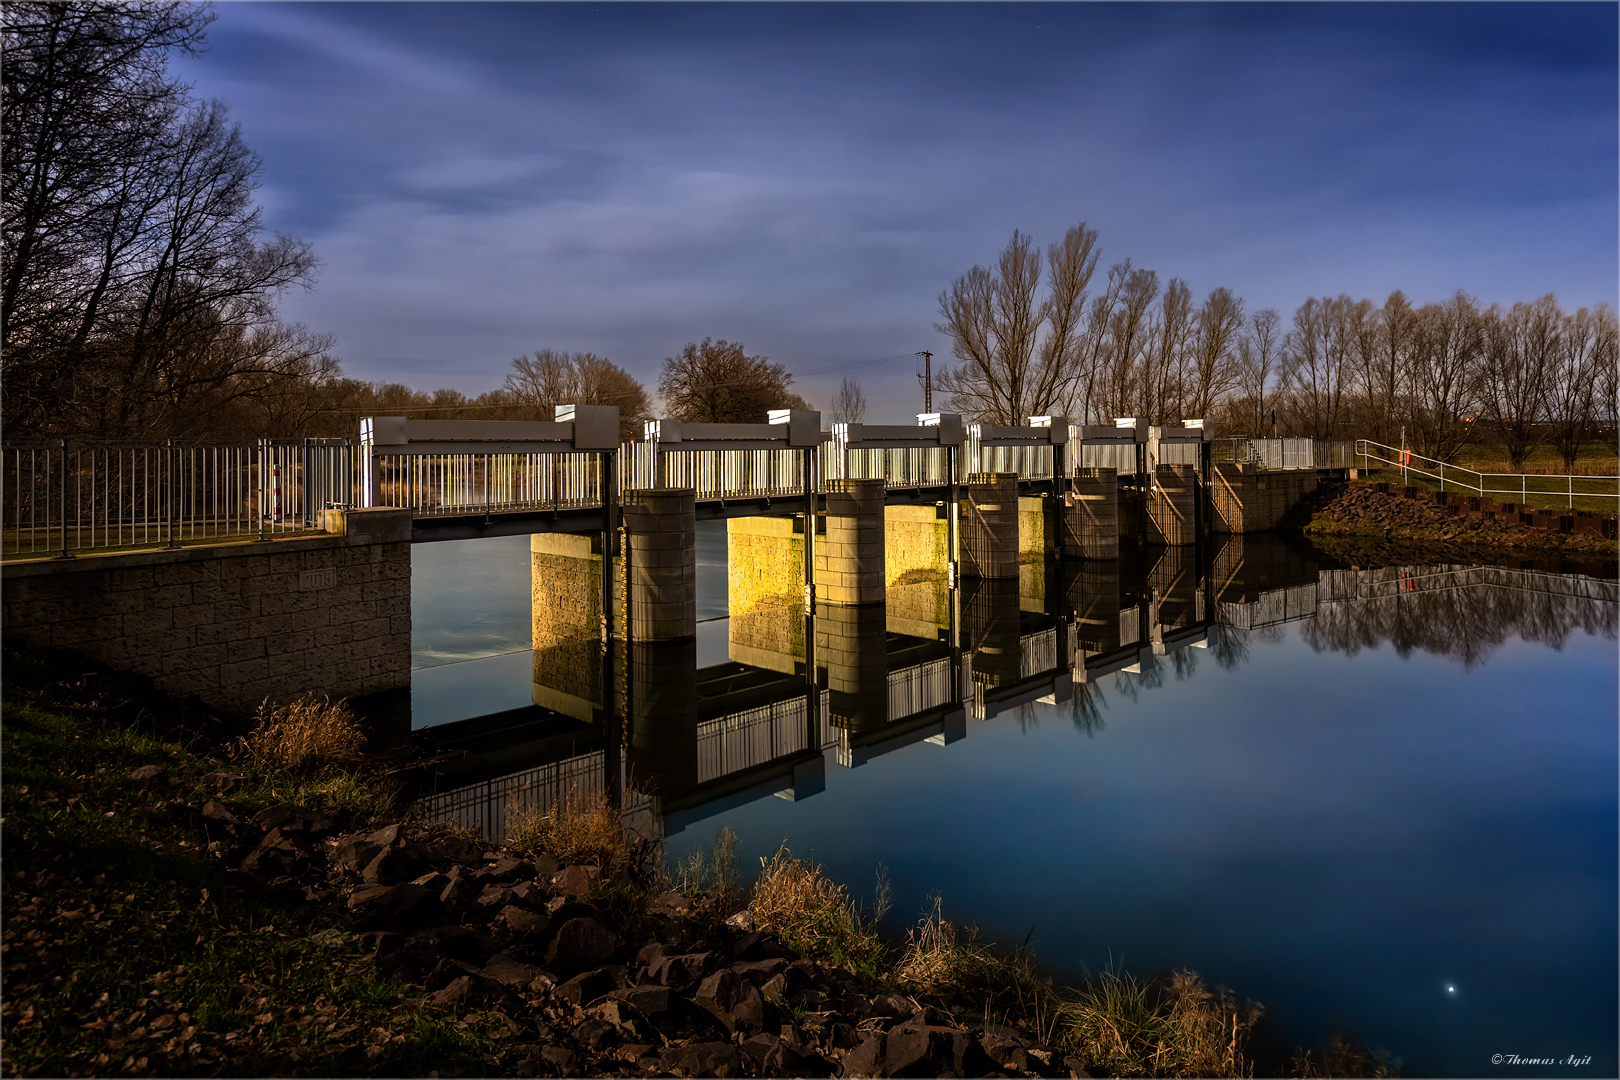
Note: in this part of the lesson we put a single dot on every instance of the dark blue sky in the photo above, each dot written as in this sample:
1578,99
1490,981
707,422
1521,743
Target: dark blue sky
482,180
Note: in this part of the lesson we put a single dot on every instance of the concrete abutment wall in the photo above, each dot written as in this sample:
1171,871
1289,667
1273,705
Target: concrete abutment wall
235,623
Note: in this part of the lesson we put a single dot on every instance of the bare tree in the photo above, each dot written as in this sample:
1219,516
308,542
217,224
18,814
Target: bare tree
1128,333
1009,369
716,382
1257,362
1442,375
1520,347
549,378
136,294
849,405
1215,370
1315,384
1586,344
1164,356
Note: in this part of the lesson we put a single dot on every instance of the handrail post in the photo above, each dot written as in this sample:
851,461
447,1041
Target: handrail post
809,453
62,499
168,501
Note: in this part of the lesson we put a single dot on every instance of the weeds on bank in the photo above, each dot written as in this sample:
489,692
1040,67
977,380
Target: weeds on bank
582,829
312,752
942,959
1174,1028
1341,1057
711,875
816,917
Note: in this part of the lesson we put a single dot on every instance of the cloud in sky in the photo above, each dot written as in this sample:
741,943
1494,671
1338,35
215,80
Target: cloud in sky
482,180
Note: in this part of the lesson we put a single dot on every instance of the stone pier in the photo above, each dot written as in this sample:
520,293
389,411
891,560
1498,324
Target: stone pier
990,627
990,526
661,530
1094,597
851,647
663,743
850,556
1173,506
1091,515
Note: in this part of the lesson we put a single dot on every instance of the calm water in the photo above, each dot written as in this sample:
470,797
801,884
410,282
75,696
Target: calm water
1389,807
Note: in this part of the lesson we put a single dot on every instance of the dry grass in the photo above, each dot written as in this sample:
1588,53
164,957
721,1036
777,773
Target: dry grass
583,830
942,959
1341,1057
814,916
1178,1028
313,736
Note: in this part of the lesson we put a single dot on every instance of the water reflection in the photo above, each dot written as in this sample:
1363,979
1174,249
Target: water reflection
802,692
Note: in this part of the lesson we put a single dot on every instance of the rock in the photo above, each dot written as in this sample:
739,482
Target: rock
561,1058
734,1001
775,989
702,1059
217,812
395,907
293,818
759,971
1077,1068
291,843
385,948
510,972
520,921
455,993
650,1001
545,866
457,849
742,921
457,888
530,894
581,943
222,782
574,881
388,868
682,970
432,881
148,774
353,853
447,971
387,836
587,986
456,942
505,869
672,903
596,1033
494,896
867,1058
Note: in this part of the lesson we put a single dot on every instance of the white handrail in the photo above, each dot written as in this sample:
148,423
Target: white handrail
1409,461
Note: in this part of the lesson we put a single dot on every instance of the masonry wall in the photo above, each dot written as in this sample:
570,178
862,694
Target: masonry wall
235,623
1244,500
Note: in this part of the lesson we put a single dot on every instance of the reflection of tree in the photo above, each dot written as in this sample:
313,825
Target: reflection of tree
1085,708
1185,661
1463,613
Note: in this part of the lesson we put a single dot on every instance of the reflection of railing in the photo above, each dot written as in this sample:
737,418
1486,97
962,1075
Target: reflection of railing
1345,585
572,783
752,737
1409,464
76,498
1270,608
920,687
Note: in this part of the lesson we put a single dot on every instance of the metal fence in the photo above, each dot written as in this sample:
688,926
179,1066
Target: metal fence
1520,486
439,485
73,498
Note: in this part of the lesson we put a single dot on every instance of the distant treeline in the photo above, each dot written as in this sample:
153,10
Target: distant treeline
1447,373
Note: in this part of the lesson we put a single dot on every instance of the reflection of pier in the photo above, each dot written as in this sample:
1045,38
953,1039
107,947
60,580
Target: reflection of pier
837,687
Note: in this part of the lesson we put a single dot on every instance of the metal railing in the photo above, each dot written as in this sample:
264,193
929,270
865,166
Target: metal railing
1285,454
66,498
1374,455
439,485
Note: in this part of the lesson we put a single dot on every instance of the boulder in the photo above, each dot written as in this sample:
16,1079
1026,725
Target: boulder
733,1000
581,943
702,1059
587,986
293,818
510,972
520,921
574,881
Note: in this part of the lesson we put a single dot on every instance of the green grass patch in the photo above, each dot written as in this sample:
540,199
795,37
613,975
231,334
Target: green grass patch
129,945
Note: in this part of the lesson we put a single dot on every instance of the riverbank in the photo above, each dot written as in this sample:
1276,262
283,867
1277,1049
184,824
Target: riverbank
175,910
1370,523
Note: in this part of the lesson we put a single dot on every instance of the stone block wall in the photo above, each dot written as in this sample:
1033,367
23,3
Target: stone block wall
565,582
849,557
765,591
915,553
1243,499
235,623
661,529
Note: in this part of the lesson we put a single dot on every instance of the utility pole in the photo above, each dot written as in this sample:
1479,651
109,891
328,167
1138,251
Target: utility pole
928,380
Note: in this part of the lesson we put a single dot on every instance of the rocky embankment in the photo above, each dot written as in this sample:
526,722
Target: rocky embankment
590,977
1422,516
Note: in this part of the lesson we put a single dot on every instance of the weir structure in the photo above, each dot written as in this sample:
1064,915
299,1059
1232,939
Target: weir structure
915,520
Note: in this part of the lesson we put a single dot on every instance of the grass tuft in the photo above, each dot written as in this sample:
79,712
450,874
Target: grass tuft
313,736
1177,1027
814,916
581,830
